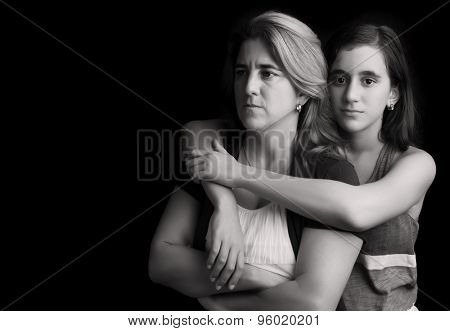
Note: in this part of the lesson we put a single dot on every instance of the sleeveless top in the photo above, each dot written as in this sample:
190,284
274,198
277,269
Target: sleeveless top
385,274
266,239
325,167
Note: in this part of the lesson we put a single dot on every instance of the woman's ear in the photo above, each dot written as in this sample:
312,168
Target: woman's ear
302,99
394,96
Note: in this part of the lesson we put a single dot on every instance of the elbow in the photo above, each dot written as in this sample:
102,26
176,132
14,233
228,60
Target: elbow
317,302
321,304
156,266
354,218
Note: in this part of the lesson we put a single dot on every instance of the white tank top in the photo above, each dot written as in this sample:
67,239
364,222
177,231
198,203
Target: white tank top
266,239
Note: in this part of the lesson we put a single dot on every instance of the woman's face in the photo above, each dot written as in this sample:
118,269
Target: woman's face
263,93
360,88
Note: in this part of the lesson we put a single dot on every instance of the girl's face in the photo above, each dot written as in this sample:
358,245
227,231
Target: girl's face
360,89
263,93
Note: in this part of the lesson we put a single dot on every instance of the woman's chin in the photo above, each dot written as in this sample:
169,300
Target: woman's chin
252,123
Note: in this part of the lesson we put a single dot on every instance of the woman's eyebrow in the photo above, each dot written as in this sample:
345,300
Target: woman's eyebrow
267,66
259,66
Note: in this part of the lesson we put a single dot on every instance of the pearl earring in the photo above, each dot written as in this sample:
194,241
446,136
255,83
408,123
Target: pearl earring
299,107
391,106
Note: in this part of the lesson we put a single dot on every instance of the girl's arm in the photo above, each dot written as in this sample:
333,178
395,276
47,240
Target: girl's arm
175,264
344,206
354,208
324,264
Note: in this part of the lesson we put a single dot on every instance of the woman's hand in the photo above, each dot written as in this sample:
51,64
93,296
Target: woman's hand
225,243
217,166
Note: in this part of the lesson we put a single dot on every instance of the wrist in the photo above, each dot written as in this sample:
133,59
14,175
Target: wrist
244,174
226,202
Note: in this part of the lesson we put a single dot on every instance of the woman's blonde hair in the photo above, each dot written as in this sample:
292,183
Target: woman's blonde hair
296,48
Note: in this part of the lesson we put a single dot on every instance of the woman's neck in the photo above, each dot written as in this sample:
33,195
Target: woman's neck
272,148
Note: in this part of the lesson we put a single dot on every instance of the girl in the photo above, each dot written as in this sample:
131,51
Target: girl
372,99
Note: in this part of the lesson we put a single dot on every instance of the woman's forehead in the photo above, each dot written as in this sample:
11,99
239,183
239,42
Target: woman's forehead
255,50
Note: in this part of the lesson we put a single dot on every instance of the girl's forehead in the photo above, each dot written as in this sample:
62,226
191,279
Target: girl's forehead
360,59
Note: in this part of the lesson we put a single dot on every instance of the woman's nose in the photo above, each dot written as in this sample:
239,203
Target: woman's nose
252,85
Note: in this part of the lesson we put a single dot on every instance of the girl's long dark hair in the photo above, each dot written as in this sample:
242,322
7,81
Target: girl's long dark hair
399,127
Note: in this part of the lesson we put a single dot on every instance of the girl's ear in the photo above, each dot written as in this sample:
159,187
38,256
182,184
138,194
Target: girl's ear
394,96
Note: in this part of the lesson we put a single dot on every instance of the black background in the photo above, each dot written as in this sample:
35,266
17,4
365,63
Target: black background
69,147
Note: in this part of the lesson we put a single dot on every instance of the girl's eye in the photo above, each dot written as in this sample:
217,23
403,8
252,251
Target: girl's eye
339,80
368,81
239,72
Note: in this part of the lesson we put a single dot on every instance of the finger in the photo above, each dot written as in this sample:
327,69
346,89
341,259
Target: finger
194,153
196,170
237,272
193,162
214,251
229,268
220,262
218,147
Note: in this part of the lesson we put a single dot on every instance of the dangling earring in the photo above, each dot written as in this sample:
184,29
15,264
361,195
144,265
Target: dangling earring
299,107
391,106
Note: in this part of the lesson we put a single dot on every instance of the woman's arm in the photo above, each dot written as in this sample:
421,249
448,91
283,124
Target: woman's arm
344,206
175,264
324,264
226,254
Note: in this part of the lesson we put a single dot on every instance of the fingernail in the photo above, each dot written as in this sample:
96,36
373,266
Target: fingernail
232,287
218,287
213,279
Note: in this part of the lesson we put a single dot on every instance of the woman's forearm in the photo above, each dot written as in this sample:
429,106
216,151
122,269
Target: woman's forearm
184,269
287,296
218,194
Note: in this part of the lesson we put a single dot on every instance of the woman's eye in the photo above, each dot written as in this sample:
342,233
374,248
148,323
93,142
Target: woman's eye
239,72
267,74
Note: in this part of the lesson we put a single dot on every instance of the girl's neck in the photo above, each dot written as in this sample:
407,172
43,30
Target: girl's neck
363,142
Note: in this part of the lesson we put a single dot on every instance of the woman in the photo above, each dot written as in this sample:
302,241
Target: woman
279,71
372,99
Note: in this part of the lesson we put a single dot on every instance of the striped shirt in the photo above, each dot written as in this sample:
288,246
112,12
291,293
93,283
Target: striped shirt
385,274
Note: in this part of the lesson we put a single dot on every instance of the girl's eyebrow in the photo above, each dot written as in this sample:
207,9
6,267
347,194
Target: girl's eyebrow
361,73
369,73
338,72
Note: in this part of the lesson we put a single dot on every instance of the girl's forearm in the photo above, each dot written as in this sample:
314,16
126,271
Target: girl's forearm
323,200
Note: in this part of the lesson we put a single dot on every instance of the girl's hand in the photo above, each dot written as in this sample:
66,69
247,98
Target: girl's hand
217,166
225,243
